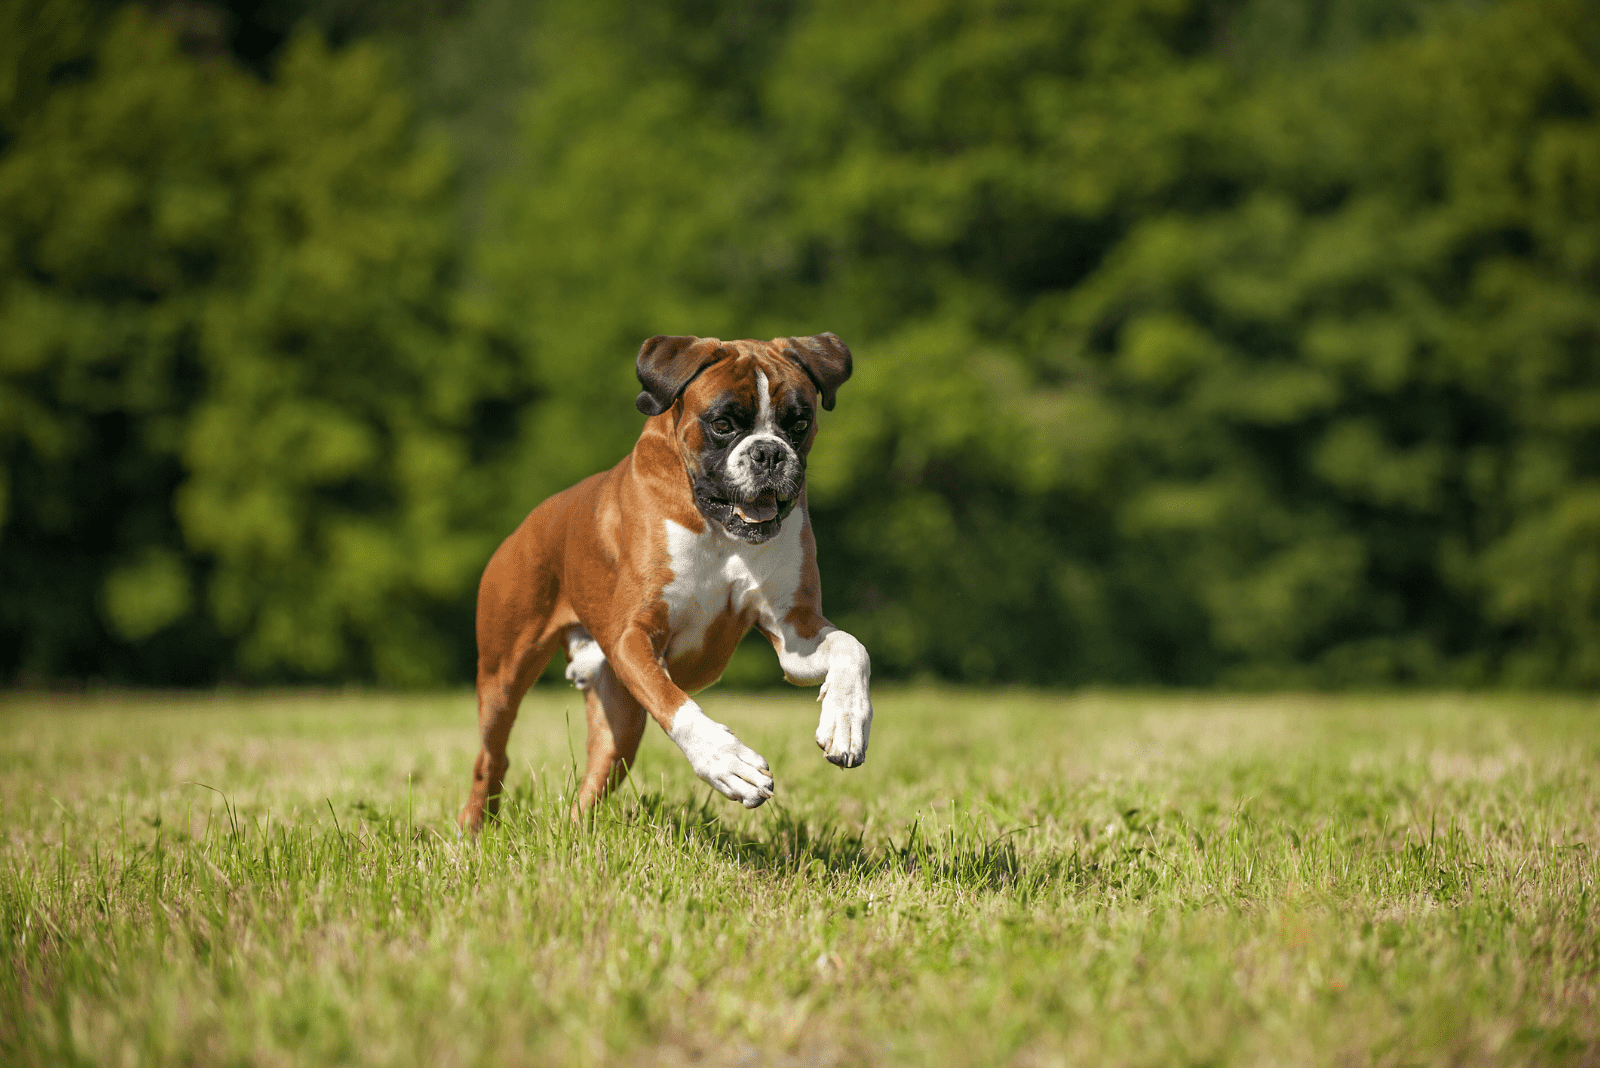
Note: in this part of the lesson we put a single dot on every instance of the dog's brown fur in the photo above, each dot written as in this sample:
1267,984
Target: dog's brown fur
595,556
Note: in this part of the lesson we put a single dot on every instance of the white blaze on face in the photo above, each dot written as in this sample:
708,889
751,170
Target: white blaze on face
759,506
763,405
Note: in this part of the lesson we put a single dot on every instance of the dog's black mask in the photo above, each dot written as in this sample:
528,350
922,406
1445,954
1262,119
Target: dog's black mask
745,416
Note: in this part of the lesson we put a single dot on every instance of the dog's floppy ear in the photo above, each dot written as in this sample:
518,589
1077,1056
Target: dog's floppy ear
825,359
667,365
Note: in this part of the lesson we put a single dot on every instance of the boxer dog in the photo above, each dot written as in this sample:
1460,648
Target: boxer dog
649,574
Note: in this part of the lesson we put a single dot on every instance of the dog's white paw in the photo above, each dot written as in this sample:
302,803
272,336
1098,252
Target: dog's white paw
846,721
584,658
732,768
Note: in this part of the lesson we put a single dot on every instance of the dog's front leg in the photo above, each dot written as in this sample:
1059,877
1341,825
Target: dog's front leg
732,768
840,662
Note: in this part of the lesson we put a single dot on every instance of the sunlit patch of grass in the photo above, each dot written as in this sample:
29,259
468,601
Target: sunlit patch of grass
1012,878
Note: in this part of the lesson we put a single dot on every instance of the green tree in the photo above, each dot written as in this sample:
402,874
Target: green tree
1197,341
1359,390
238,428
97,362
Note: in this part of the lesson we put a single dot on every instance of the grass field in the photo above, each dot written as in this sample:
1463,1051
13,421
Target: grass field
1011,879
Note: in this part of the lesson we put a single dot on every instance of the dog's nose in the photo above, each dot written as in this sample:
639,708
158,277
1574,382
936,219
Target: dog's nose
766,455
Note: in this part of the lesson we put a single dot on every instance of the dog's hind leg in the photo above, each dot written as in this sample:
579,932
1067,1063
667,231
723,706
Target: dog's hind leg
616,722
500,694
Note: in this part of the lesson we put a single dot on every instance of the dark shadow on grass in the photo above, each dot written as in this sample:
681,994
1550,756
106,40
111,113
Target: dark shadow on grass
969,856
969,853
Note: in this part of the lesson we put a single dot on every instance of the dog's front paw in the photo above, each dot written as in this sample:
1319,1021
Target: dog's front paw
846,721
737,772
732,768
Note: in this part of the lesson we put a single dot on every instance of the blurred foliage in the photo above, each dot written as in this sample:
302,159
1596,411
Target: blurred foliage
1202,342
238,430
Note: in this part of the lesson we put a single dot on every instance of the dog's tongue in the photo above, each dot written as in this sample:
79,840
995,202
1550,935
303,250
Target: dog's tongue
759,510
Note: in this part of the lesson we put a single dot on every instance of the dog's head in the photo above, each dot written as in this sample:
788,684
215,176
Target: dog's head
744,414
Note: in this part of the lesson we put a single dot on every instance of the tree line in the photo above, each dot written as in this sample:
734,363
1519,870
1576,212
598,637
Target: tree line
1200,342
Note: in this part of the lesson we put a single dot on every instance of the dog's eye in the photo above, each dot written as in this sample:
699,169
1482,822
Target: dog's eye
799,427
724,425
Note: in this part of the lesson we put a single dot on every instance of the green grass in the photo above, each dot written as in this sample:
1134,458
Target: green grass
1012,879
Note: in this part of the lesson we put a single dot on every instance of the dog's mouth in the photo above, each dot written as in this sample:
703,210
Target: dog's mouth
760,510
754,518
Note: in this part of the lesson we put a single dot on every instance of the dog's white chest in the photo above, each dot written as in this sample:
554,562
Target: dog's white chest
715,575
